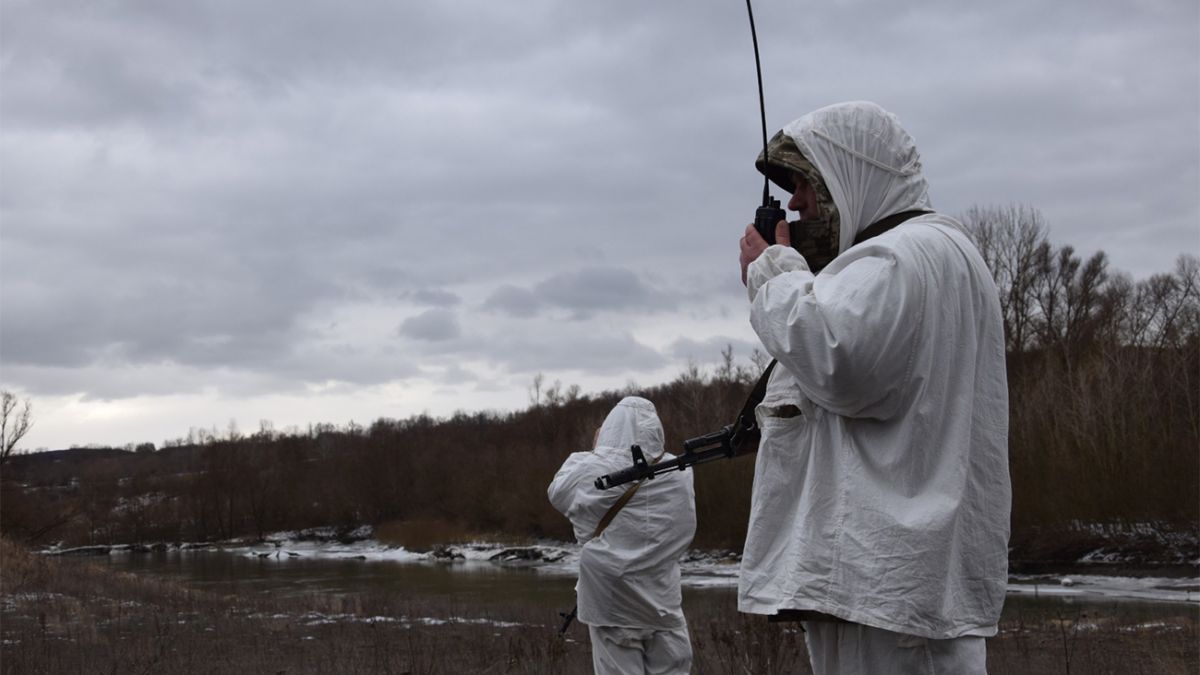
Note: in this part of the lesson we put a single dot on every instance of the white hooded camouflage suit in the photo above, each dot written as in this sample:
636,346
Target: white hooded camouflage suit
628,589
885,502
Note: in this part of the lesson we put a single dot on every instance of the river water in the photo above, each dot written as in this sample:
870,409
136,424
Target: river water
239,573
479,583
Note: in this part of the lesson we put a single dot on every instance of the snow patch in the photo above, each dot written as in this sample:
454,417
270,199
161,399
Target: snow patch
1132,588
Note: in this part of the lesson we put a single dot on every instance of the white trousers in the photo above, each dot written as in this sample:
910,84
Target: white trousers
634,651
837,648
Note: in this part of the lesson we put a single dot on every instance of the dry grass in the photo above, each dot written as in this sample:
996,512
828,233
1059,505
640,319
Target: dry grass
73,616
1117,638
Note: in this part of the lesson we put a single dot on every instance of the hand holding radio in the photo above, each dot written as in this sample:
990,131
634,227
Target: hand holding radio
753,244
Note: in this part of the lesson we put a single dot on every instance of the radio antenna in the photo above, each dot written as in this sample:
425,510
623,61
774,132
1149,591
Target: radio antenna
762,107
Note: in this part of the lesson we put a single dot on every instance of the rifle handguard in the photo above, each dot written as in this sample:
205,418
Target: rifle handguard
708,439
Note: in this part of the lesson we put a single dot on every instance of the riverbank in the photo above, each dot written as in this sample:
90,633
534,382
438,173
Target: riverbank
64,614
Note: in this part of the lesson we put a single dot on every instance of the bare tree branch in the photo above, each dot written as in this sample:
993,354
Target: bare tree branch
14,424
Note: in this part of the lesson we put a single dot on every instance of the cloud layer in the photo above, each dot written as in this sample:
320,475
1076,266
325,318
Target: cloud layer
390,208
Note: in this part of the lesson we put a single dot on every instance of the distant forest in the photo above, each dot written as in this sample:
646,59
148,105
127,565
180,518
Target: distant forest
1104,377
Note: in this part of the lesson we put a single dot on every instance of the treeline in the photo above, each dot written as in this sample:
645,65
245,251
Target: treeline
482,473
1103,377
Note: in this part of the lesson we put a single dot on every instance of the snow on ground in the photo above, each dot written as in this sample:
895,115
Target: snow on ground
366,549
317,619
1157,589
704,569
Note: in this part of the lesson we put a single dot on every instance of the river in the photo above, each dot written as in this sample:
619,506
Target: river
477,582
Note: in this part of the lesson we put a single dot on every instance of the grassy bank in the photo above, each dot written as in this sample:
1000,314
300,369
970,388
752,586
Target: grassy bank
73,616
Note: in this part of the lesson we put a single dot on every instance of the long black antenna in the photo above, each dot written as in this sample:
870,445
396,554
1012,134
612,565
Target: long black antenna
762,107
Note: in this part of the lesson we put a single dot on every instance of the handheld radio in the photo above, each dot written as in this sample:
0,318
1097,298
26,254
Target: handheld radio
769,214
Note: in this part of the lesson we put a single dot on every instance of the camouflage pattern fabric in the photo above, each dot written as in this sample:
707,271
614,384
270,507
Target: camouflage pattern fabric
817,240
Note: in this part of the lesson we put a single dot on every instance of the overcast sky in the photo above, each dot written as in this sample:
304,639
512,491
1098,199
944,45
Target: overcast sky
318,212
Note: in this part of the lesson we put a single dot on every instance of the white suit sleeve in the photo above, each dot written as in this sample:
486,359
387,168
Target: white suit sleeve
565,486
849,334
573,494
774,261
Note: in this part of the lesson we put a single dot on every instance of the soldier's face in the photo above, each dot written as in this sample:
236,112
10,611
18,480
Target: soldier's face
804,198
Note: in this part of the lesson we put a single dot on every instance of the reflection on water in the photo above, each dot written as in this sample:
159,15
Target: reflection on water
224,572
485,583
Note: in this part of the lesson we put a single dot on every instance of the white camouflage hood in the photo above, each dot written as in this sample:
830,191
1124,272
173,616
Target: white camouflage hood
868,161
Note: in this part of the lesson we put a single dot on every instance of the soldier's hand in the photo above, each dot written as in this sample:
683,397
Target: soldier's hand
752,244
783,233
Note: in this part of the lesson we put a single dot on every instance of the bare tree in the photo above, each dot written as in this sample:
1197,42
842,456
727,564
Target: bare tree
535,391
1085,295
14,424
1011,239
554,395
760,359
1181,306
725,371
1071,299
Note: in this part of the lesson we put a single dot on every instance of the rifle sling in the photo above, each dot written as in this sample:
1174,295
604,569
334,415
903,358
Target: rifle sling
758,392
883,225
620,503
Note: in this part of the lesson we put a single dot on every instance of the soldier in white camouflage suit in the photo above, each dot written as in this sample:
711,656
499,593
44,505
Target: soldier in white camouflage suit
880,506
628,588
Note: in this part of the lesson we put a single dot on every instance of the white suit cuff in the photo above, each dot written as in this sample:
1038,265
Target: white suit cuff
774,261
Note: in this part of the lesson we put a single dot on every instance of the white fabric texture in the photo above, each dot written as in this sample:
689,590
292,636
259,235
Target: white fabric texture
886,502
854,649
629,575
869,162
629,651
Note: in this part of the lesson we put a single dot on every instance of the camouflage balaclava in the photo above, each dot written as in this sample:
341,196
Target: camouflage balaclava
817,240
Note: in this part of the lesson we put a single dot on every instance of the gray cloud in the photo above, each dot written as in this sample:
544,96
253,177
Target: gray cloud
579,351
595,289
239,197
435,325
513,301
710,350
433,297
581,292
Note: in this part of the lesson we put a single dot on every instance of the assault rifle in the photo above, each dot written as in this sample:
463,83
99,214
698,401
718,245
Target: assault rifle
731,440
